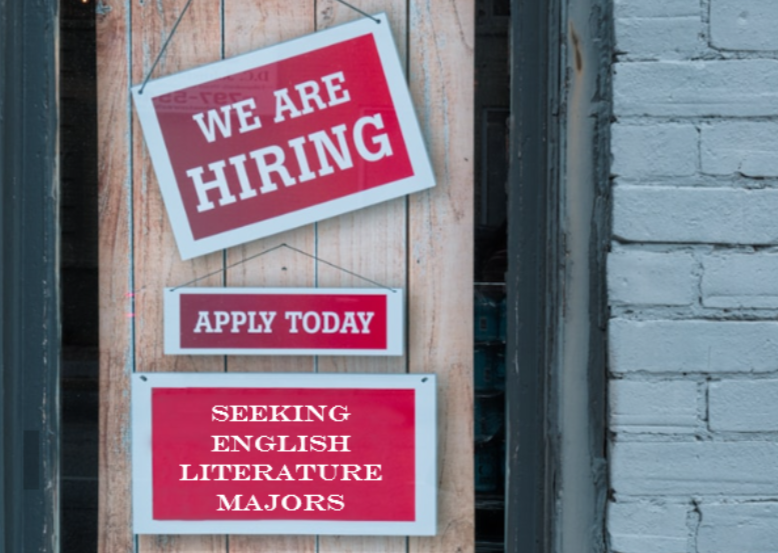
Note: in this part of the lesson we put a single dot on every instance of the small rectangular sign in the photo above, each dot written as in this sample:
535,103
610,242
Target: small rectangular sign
284,321
284,454
282,137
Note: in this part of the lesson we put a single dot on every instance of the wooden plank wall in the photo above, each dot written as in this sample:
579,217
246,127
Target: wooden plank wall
423,243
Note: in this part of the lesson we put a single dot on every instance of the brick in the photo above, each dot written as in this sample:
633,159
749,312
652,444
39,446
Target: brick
693,346
744,24
748,148
653,407
654,150
696,88
743,406
740,280
660,37
651,278
694,468
647,528
695,215
746,527
656,8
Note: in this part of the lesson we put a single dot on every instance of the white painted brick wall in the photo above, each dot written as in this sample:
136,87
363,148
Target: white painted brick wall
704,347
653,37
705,469
697,88
641,277
693,278
744,147
641,151
655,8
748,280
665,407
695,215
744,406
738,527
744,24
647,527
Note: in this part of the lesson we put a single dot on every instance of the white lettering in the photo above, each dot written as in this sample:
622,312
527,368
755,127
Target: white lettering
314,328
380,140
365,319
331,322
266,169
267,320
203,321
333,89
209,130
244,114
222,318
238,319
349,322
283,104
293,317
202,188
309,90
239,163
233,505
219,410
324,145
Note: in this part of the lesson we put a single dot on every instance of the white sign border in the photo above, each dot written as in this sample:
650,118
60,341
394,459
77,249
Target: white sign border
395,323
422,178
425,386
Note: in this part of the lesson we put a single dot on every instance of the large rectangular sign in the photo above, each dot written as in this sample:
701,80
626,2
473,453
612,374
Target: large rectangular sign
284,454
282,137
284,321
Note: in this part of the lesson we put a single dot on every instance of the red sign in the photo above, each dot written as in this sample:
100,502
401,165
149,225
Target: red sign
293,453
283,137
283,321
282,454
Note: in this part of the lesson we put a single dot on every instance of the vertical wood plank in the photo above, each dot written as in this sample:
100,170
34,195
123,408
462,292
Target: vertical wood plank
198,40
441,244
115,269
370,242
249,26
157,261
332,12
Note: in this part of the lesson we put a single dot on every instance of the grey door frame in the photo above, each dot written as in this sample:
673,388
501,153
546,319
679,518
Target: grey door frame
558,236
530,291
29,325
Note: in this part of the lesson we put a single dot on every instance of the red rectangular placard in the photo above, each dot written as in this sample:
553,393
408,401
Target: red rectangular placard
265,321
282,137
284,453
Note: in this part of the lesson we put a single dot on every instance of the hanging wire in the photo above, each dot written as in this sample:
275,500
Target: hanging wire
181,16
285,245
164,46
356,9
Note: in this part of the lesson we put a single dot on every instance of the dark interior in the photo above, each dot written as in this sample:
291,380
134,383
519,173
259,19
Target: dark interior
78,274
491,111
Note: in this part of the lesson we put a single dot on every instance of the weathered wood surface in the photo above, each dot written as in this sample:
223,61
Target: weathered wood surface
441,253
422,244
115,274
198,40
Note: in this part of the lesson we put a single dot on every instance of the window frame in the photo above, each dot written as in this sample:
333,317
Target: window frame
29,284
